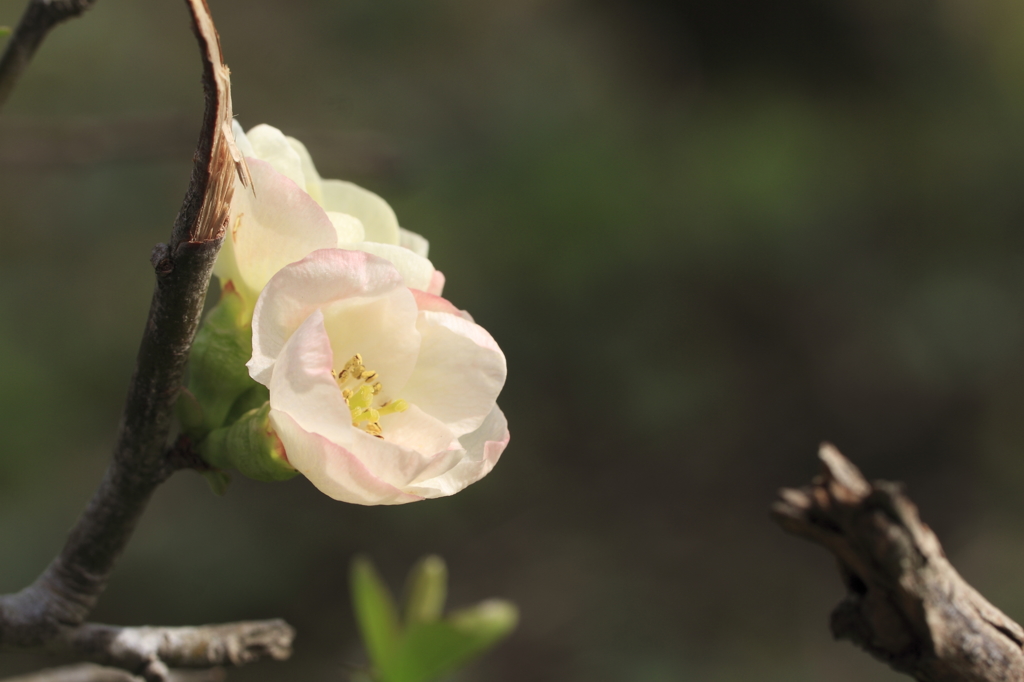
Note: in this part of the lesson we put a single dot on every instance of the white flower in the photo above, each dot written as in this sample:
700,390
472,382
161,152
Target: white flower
291,211
380,394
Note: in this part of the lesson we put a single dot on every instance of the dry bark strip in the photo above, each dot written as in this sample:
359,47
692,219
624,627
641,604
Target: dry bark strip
52,611
906,605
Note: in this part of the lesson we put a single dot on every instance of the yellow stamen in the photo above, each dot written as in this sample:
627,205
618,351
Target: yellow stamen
393,407
360,398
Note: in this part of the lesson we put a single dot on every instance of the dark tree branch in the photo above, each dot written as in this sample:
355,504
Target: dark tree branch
905,604
40,16
52,610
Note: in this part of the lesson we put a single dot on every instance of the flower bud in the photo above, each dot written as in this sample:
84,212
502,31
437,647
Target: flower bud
250,446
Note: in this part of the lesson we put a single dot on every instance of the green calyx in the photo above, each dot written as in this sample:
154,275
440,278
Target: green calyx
220,388
250,446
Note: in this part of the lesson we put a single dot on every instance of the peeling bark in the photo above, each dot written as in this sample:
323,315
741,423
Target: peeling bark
905,605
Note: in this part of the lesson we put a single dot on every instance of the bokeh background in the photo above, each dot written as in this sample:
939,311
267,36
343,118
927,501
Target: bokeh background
708,236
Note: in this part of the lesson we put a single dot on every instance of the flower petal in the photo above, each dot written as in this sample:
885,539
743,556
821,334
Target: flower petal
241,141
414,242
436,285
349,228
483,447
303,388
277,225
335,471
378,218
416,270
335,280
382,330
309,174
459,374
436,304
270,144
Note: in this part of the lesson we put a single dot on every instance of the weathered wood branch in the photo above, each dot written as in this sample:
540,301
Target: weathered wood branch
906,605
151,651
39,17
51,612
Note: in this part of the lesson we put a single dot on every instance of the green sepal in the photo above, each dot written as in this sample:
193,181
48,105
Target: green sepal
218,377
254,398
250,446
189,411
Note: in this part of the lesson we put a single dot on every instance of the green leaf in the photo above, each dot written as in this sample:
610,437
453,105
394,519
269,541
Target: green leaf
489,622
5,31
376,614
426,591
431,650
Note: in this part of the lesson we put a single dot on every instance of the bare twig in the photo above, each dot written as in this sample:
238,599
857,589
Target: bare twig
149,651
905,603
40,16
51,611
89,672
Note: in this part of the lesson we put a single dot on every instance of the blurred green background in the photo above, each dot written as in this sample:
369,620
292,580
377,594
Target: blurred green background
708,235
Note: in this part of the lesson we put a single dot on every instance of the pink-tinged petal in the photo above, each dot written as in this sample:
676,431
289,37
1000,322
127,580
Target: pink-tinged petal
483,448
417,271
431,302
320,279
377,217
459,374
416,243
334,470
303,387
270,145
398,465
277,225
436,285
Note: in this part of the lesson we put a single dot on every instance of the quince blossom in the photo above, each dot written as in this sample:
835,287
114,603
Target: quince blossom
380,394
291,211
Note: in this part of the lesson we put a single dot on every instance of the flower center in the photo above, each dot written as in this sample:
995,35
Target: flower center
360,388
